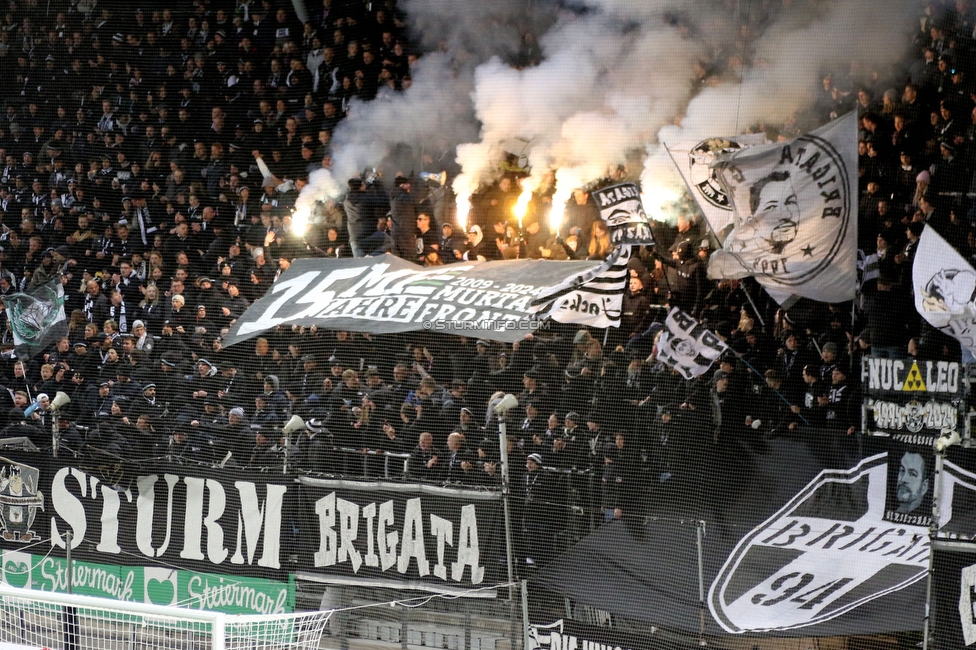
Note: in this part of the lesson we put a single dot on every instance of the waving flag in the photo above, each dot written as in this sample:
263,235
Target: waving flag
945,286
36,319
623,212
794,214
687,346
594,299
694,161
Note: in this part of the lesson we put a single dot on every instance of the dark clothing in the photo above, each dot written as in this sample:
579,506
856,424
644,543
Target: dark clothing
418,469
404,209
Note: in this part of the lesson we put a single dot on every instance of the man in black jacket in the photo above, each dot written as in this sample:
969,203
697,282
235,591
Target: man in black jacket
538,512
357,225
313,450
403,208
460,462
424,463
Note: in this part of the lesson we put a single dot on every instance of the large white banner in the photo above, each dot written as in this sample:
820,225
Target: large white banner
794,214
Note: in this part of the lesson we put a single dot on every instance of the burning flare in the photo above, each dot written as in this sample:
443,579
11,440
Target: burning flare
522,205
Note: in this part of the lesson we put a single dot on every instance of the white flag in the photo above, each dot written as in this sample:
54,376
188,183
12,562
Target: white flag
594,299
795,215
687,346
694,162
944,287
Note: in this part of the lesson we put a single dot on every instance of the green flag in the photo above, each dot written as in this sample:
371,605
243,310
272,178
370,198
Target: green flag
36,318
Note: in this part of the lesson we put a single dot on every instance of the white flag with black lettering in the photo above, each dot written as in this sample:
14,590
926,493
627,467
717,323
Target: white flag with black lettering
794,214
945,286
687,346
594,299
694,159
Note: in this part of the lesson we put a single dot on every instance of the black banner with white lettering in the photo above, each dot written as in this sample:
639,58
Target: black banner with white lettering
795,541
913,401
567,634
386,294
389,534
199,519
255,523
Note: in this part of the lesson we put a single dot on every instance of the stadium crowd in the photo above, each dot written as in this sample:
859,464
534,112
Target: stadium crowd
151,158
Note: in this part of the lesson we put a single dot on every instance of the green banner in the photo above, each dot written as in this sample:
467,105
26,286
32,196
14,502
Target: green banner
155,585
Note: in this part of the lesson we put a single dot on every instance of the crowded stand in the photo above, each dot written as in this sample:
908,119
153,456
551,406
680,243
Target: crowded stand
152,159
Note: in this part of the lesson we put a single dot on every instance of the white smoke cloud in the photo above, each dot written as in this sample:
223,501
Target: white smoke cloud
612,76
625,75
617,76
789,59
436,113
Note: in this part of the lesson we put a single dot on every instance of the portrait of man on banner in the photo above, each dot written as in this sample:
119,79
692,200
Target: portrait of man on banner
910,485
794,216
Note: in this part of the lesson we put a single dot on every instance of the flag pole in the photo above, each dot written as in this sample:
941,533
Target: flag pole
741,357
712,230
754,308
691,193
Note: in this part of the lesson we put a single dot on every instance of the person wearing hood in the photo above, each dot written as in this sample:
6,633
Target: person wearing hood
478,247
143,340
201,383
276,397
452,246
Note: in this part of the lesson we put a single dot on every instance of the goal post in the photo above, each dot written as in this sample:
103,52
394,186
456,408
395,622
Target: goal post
41,619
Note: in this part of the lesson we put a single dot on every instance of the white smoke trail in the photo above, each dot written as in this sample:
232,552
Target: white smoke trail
625,75
616,76
790,57
436,112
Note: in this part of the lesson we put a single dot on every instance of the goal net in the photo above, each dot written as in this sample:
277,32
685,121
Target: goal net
33,619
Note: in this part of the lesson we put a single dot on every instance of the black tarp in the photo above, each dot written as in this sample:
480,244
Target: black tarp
795,543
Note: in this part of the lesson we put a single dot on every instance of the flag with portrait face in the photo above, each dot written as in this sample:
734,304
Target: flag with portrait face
794,215
694,162
688,346
623,212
